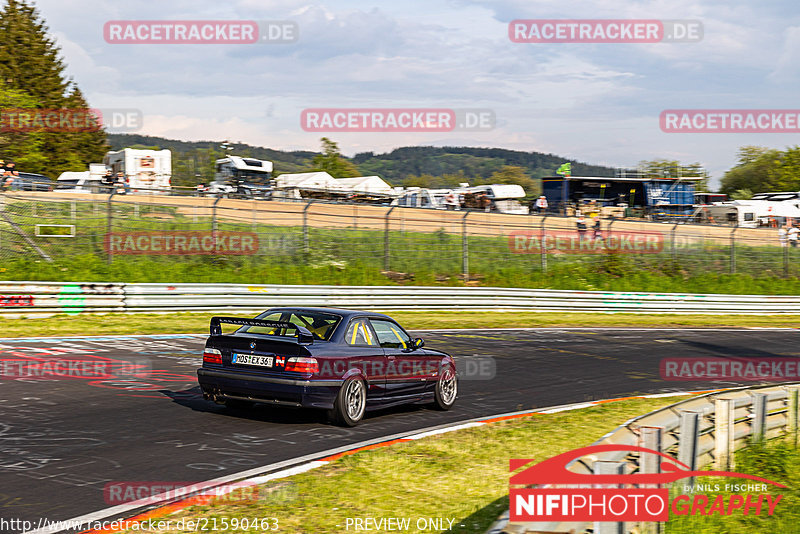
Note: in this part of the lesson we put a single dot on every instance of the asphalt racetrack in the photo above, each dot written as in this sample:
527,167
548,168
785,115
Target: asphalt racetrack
62,441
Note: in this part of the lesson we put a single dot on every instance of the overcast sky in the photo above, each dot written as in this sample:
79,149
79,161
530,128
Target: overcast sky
598,103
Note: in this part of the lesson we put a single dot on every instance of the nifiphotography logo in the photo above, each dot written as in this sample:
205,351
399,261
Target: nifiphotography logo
625,497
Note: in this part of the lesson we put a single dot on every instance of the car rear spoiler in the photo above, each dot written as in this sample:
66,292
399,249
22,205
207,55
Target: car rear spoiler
304,335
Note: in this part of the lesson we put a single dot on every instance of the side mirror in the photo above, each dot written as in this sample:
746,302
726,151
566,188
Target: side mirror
304,336
417,343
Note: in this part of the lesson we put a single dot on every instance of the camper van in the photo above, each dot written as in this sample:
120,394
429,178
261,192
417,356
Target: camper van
241,177
775,211
502,198
82,181
145,171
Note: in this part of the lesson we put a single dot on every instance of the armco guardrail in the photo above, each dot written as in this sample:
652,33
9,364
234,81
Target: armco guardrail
701,431
26,298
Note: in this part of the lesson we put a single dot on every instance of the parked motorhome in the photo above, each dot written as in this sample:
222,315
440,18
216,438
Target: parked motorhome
242,177
754,212
145,171
82,181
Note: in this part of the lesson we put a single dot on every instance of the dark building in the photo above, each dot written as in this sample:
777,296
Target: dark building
655,195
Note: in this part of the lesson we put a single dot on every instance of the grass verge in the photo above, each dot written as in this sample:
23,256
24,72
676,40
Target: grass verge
197,323
461,476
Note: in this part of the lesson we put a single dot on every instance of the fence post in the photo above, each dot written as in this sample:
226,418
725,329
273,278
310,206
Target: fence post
759,426
386,239
305,226
674,245
214,216
542,238
688,440
109,218
794,405
785,260
464,248
733,249
724,444
609,468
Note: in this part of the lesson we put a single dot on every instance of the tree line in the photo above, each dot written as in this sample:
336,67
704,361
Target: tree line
32,77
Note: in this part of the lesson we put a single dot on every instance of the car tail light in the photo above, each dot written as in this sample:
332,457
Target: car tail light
302,364
212,356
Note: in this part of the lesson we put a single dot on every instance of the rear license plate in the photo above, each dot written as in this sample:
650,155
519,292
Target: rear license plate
251,359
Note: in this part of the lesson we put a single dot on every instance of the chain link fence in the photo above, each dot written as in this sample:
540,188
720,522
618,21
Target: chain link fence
177,232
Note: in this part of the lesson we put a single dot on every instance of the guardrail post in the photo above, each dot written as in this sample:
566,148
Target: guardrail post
733,249
609,468
386,239
214,215
794,409
724,444
305,226
650,438
759,426
464,247
109,218
542,236
688,441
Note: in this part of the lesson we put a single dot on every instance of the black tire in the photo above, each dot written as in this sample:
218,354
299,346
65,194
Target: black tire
350,403
238,404
446,391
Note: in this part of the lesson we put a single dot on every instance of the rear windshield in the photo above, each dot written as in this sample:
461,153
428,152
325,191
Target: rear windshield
321,325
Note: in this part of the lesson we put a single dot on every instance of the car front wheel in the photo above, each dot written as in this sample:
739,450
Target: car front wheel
446,389
350,403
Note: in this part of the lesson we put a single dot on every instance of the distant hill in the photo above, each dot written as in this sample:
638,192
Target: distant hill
283,161
396,167
401,163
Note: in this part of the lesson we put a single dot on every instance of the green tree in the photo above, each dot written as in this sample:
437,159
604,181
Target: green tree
332,161
673,169
741,194
755,170
30,62
26,149
511,174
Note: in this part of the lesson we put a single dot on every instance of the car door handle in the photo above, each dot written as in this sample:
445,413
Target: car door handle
391,357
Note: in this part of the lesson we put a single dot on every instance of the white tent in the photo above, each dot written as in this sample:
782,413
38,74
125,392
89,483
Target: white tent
306,180
365,184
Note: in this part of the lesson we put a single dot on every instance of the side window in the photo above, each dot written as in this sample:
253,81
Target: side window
360,333
390,336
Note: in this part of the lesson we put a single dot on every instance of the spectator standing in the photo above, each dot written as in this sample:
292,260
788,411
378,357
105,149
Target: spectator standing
541,204
581,224
451,201
782,235
484,202
597,232
792,234
107,181
123,182
11,175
